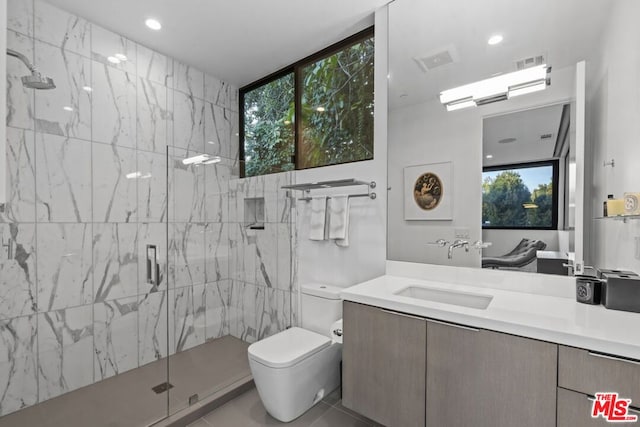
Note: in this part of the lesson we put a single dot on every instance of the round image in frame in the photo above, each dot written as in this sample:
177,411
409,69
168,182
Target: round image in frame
427,191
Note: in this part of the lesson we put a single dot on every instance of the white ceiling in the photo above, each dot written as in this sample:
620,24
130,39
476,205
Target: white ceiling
526,127
238,41
563,30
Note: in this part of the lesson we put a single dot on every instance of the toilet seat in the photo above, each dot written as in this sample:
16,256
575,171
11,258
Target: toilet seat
288,347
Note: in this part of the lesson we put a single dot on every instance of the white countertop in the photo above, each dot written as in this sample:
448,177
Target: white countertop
553,318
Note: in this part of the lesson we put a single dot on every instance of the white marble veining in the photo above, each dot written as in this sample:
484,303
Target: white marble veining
20,16
114,195
152,327
274,312
18,271
220,93
20,100
114,106
21,188
18,364
188,80
188,122
187,196
65,348
267,255
61,29
285,242
217,191
65,266
105,44
216,252
217,130
71,72
154,66
187,244
152,187
243,302
115,261
116,337
63,179
217,309
152,116
189,321
552,316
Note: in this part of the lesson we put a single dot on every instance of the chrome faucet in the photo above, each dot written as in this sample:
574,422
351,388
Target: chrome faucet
458,244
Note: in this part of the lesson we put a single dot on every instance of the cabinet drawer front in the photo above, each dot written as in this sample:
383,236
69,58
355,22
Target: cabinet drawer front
574,410
590,373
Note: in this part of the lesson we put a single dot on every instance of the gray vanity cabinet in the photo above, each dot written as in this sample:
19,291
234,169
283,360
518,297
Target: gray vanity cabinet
574,410
482,378
383,361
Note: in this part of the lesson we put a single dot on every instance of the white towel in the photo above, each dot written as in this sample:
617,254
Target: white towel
339,220
318,218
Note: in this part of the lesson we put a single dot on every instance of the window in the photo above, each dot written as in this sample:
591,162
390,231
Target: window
332,93
521,196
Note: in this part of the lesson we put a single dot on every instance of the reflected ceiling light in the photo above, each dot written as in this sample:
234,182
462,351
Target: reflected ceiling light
138,174
154,24
320,109
120,56
530,206
495,39
287,122
489,156
67,108
211,142
201,159
497,88
113,60
87,88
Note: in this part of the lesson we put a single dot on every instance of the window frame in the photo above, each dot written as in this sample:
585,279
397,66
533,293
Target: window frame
296,70
555,177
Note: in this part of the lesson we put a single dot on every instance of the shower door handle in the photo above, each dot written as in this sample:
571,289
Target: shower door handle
152,265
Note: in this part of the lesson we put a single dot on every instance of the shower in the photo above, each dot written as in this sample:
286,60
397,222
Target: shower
35,80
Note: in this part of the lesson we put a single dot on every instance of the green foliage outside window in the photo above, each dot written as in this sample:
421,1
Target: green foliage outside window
337,107
507,202
336,104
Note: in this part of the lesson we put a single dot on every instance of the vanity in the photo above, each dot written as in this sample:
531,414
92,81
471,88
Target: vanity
482,348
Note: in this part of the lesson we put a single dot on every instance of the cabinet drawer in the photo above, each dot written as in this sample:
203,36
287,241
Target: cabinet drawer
574,410
589,373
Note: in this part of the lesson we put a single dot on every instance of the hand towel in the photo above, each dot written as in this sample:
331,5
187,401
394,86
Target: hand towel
339,220
318,218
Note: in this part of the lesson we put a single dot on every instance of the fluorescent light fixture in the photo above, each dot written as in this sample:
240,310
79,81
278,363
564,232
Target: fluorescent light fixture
121,56
201,159
154,24
495,39
498,88
113,60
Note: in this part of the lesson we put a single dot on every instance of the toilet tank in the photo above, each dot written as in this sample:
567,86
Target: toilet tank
320,307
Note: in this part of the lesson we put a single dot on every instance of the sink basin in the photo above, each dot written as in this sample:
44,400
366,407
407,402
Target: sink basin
465,299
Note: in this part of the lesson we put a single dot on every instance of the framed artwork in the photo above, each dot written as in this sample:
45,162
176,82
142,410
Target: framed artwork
428,192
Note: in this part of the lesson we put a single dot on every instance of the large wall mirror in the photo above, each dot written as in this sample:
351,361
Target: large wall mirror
510,168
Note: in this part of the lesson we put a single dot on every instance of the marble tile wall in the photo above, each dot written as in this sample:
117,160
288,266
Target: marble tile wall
88,172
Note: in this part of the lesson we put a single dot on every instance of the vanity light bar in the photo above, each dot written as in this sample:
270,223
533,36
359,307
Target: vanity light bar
497,88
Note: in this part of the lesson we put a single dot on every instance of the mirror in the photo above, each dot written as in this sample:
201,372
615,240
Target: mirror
435,46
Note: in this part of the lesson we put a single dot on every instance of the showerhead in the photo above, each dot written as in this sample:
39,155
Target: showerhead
35,80
38,81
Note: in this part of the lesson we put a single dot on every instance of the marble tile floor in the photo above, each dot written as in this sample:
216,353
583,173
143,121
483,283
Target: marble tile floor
247,410
126,400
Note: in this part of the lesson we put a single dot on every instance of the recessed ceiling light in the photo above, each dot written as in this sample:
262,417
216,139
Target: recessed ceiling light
489,156
113,60
120,56
67,108
320,109
87,88
495,39
154,24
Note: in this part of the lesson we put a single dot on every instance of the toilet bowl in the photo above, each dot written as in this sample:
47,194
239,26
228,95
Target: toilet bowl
294,369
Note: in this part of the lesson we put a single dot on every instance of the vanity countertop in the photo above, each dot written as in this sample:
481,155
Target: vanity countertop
548,317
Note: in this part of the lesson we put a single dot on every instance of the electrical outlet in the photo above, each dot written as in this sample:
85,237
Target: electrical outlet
637,251
461,233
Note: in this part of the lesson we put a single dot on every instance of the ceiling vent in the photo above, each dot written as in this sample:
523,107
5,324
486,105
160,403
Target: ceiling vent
438,58
545,136
532,61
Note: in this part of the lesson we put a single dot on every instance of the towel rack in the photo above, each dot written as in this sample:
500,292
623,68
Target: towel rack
307,187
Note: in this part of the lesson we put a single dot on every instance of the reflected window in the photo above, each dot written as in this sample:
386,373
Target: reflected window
521,196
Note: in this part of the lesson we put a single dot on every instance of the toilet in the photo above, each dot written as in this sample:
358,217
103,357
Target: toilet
294,369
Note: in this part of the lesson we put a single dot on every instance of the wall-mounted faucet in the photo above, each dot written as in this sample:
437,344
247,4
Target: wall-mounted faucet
458,244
